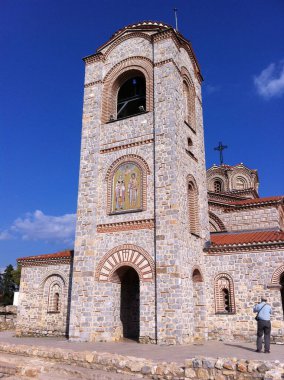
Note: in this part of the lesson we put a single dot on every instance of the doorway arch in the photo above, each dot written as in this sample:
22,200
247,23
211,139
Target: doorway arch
129,301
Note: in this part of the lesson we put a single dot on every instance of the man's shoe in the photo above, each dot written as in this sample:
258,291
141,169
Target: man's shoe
267,352
257,350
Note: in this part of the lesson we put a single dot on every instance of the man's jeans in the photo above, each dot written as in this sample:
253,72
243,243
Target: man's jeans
263,327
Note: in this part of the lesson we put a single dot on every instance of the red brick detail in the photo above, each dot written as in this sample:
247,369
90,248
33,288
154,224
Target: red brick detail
131,158
125,255
126,146
170,60
224,281
120,73
63,257
216,222
277,275
193,210
93,83
93,58
189,94
247,237
245,202
126,226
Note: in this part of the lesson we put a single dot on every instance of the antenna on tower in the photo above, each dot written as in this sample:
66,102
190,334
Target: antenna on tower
176,18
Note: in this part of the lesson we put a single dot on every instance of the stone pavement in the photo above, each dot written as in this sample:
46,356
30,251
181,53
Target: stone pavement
178,354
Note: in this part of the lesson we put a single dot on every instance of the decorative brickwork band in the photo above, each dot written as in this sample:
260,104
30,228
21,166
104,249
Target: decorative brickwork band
118,75
125,255
143,166
216,223
126,146
224,294
277,275
126,226
93,83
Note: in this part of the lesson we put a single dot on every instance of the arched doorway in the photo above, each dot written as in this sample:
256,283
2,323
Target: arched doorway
129,302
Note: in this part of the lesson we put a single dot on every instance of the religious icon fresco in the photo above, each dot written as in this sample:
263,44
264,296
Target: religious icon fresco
126,188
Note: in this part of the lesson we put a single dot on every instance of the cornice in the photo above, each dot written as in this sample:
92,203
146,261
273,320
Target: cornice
126,146
93,83
44,261
97,57
126,226
244,248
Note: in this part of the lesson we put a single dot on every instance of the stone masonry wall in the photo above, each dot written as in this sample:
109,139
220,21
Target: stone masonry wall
95,305
8,316
34,317
249,218
251,274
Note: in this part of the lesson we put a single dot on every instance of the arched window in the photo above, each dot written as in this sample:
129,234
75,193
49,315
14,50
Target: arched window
131,97
196,276
241,183
224,294
188,99
218,186
193,208
54,298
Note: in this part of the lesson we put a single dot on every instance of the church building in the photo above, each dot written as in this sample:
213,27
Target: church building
164,252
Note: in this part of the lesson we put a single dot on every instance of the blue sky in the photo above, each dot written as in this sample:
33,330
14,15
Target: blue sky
240,48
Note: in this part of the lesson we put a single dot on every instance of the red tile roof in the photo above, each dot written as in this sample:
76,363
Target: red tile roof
257,200
57,255
246,238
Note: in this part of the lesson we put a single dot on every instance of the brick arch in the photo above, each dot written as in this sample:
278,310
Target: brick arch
53,274
117,75
217,177
131,158
48,293
216,222
125,255
218,288
275,280
125,38
189,98
192,205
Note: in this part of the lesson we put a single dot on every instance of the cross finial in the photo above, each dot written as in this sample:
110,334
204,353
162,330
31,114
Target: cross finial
221,147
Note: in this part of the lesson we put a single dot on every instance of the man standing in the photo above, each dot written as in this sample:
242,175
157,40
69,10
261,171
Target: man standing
263,311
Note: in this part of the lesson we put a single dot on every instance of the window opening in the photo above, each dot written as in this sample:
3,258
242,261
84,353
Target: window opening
241,183
54,299
226,300
131,99
217,186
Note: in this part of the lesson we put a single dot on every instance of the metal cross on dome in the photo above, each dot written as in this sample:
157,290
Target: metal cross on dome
221,147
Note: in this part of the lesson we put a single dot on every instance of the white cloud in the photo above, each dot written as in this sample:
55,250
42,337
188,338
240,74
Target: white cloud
5,235
270,82
38,226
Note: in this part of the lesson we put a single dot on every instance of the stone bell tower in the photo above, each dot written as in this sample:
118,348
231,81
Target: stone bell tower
142,218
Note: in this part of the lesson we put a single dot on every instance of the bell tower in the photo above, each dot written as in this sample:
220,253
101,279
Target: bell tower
142,218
